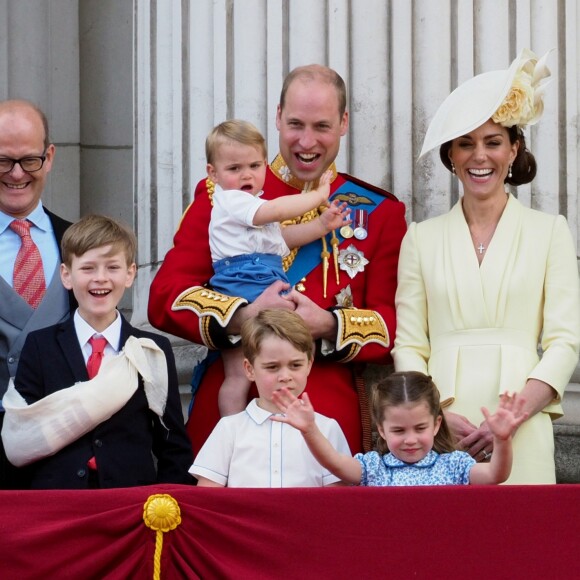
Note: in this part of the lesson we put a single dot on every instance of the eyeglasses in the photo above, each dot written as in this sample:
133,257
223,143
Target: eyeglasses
28,164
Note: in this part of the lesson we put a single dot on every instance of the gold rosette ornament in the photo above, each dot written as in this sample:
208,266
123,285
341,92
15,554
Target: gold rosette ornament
161,513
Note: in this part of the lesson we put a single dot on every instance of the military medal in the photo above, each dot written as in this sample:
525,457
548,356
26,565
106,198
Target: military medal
352,261
346,232
360,222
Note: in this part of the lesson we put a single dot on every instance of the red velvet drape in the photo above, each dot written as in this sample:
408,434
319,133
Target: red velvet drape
429,532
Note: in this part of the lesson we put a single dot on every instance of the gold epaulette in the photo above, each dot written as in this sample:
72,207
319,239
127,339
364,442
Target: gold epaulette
205,302
358,327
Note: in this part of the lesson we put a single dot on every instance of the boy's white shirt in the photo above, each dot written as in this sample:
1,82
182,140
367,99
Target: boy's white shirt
85,331
276,452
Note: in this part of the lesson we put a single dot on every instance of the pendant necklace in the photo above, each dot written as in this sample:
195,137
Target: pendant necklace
481,247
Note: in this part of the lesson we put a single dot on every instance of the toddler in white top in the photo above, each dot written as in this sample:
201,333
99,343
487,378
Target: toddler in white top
246,239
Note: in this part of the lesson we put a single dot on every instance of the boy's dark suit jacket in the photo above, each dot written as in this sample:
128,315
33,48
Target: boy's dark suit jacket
123,445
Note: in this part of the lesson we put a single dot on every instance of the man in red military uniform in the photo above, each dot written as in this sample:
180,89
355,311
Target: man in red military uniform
344,284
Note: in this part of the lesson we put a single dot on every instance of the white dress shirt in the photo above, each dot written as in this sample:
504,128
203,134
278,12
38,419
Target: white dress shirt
85,332
250,450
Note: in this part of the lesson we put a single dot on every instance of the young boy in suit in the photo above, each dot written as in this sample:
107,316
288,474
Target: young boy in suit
249,449
123,425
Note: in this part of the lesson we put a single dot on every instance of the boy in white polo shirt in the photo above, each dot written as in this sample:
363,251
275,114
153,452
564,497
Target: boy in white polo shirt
250,450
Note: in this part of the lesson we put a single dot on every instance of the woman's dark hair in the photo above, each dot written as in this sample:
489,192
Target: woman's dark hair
524,166
410,387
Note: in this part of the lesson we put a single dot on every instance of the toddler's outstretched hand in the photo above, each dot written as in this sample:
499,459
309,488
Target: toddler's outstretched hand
335,216
298,413
508,416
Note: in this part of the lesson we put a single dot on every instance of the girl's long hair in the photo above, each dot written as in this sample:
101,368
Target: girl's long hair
410,387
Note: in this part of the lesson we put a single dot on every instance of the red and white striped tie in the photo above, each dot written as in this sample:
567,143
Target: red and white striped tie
28,277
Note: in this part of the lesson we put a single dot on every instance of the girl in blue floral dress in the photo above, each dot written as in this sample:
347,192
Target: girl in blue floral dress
414,446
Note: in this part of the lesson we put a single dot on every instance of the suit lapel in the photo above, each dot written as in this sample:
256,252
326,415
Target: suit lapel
126,331
59,225
71,349
15,310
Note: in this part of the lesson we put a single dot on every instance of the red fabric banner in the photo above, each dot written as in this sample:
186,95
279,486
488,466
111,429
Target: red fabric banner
426,532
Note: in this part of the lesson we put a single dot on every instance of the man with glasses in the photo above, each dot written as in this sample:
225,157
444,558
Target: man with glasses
31,293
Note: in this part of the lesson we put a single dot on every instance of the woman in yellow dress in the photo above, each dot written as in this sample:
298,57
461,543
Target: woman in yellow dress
488,297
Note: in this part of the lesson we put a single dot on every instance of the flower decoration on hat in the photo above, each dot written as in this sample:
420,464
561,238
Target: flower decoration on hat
524,103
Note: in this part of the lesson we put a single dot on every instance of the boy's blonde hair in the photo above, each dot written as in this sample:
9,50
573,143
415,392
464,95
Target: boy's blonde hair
95,231
275,322
237,131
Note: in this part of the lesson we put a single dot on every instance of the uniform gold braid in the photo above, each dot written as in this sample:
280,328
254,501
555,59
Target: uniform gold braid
280,169
205,331
307,217
210,186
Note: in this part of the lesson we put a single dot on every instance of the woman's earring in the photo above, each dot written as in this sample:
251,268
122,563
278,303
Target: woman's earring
510,171
452,167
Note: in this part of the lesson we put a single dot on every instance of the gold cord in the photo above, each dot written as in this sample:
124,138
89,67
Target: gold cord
324,255
210,185
307,217
334,244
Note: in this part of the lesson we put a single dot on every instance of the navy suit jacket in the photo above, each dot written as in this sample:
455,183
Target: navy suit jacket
124,445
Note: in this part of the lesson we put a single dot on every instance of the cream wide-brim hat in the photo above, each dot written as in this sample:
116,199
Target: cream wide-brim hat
476,100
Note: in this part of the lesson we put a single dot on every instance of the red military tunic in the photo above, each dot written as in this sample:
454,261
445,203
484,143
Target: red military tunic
331,385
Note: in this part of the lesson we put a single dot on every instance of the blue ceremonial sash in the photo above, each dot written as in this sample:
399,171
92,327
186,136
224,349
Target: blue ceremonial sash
308,256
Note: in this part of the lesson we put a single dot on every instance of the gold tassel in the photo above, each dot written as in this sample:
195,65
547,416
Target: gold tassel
334,244
324,255
161,513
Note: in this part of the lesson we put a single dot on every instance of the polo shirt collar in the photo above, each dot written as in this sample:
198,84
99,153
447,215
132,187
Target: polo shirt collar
256,413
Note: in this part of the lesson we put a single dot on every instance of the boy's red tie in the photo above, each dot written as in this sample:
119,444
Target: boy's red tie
94,362
93,366
28,279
